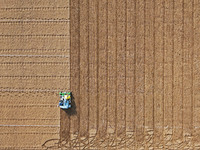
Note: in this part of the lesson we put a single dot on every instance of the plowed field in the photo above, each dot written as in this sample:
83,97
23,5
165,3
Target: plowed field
132,67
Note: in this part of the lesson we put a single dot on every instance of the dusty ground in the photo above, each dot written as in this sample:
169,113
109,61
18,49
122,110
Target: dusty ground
34,37
134,73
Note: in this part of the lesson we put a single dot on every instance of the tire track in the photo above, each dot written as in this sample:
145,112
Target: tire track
102,67
116,13
93,66
112,43
149,58
158,77
139,97
84,68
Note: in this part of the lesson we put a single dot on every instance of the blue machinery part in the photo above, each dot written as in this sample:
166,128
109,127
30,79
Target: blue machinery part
65,100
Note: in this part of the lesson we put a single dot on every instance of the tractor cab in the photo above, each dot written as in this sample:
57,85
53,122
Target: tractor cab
65,100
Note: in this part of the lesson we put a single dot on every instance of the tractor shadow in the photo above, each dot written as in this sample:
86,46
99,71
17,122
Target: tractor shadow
72,111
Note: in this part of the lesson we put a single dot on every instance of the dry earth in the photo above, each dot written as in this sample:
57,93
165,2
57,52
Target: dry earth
133,70
134,75
34,67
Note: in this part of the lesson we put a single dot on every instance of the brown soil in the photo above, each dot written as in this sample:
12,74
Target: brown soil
133,69
33,36
134,75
